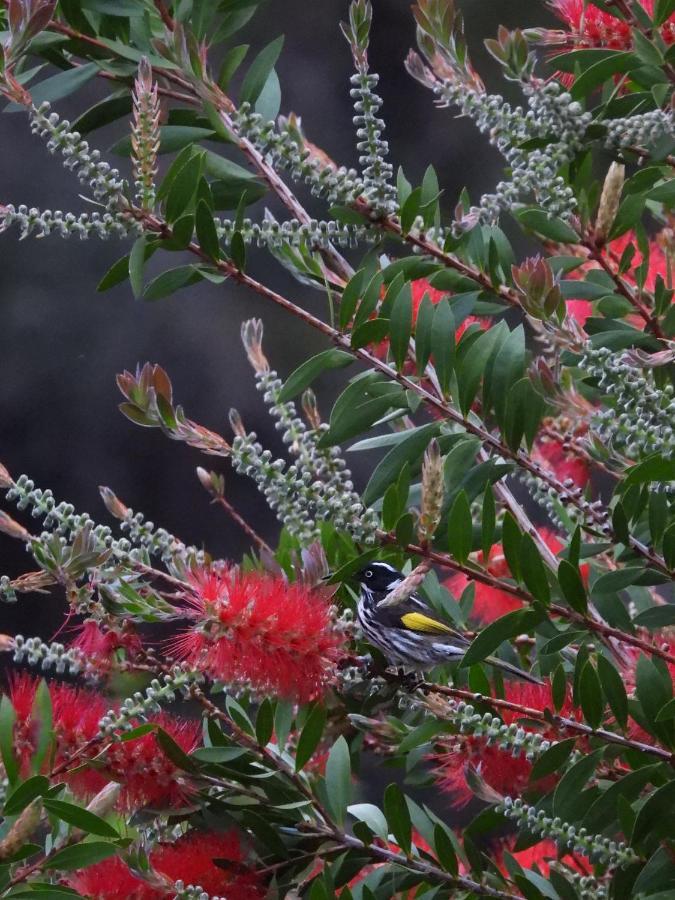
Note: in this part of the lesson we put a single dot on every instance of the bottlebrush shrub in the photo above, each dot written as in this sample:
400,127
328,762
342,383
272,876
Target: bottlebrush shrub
520,410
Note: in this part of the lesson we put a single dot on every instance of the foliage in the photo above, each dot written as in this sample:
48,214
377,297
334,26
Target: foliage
523,490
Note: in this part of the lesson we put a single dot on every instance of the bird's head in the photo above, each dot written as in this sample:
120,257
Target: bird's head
379,577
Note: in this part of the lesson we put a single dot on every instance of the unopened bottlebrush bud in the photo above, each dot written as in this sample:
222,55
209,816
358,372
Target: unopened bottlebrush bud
251,338
12,528
432,492
310,408
236,423
112,503
212,482
609,201
539,292
21,830
104,802
6,480
408,586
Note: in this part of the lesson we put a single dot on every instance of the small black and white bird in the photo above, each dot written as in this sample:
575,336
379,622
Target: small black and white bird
409,634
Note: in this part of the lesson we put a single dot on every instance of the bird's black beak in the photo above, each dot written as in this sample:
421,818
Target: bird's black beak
327,578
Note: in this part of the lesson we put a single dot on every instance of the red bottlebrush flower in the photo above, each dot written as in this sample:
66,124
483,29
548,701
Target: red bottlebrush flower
551,455
505,773
112,879
99,646
490,602
76,714
190,859
259,630
148,776
592,27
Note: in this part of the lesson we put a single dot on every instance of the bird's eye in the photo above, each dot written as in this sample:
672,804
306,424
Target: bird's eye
368,573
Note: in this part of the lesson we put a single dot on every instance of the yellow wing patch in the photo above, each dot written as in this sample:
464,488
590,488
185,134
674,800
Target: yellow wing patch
419,622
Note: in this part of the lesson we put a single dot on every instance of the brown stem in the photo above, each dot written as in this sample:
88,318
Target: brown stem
564,723
243,524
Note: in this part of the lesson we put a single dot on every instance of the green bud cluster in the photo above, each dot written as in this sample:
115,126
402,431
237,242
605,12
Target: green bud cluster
106,183
315,234
594,846
280,147
35,651
43,223
140,705
638,419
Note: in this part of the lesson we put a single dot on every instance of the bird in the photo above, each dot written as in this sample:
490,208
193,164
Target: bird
409,634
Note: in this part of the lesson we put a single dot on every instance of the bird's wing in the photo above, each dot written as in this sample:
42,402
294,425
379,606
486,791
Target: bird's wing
422,623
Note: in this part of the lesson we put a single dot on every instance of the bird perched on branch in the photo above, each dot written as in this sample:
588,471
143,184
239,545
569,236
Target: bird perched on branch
409,634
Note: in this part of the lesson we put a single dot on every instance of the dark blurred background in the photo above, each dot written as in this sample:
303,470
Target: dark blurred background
62,343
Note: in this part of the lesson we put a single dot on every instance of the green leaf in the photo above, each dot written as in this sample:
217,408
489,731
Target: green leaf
103,113
657,809
570,786
172,138
547,226
359,406
473,365
238,251
572,586
612,582
80,818
602,71
444,849
136,263
80,856
443,343
410,209
511,540
487,521
423,332
373,817
400,326
310,736
668,543
57,87
24,794
269,101
183,187
533,571
339,779
174,751
409,450
552,759
256,77
502,629
613,688
206,231
231,62
7,720
305,374
42,715
398,816
656,617
460,528
653,468
171,281
264,722
590,695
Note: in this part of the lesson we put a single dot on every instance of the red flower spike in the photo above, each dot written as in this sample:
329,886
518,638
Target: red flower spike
259,630
196,858
592,27
99,646
498,768
147,775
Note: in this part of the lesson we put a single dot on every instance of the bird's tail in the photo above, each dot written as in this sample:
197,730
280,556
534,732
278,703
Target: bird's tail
512,670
